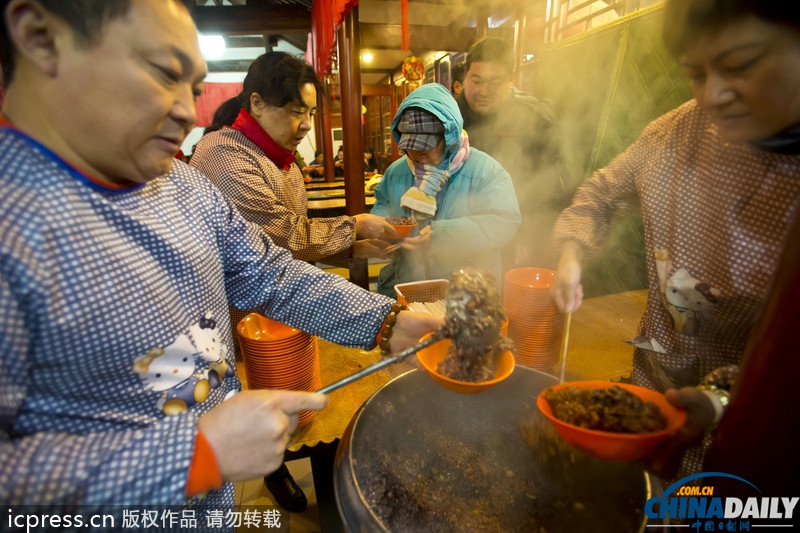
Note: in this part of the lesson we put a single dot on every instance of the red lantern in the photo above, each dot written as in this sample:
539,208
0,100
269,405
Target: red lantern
413,69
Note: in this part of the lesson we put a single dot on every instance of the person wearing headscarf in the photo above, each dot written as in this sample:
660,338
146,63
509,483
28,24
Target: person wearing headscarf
462,199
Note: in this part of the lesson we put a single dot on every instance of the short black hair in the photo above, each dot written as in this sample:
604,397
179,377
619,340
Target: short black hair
686,20
458,72
457,75
277,77
491,50
85,17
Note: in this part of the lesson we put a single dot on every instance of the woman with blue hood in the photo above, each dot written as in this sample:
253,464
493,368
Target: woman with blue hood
462,199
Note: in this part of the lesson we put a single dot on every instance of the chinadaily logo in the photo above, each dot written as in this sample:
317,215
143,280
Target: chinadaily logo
699,509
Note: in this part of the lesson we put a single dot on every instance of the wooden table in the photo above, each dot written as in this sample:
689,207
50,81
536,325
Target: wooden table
596,351
599,328
332,207
335,193
316,185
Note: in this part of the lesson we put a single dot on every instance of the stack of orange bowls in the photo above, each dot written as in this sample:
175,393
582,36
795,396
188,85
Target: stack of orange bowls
534,322
277,356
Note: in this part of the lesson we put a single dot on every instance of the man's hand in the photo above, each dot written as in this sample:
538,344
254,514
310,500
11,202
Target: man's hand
410,327
250,431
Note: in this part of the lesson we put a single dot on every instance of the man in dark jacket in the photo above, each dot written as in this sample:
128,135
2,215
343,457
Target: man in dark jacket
518,131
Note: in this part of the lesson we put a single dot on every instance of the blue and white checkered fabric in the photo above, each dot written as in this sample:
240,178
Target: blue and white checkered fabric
114,311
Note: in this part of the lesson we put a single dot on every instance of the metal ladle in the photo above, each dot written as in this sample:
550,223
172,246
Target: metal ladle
455,304
383,363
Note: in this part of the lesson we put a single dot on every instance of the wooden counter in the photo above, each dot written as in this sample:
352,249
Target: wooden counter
333,203
317,185
597,348
596,351
335,193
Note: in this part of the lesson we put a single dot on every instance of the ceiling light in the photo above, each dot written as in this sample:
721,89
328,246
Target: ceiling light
367,57
212,46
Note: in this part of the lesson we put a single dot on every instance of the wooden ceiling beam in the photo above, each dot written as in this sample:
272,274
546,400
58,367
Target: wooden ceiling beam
387,37
252,19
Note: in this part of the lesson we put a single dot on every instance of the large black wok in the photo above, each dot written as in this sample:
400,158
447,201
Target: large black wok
417,457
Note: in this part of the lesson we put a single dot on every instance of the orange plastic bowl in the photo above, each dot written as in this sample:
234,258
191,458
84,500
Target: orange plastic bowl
530,278
606,444
404,230
431,356
257,327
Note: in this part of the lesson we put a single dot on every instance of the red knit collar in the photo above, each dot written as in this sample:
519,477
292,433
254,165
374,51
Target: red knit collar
279,155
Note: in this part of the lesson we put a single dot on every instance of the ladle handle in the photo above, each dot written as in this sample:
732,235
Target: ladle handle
383,363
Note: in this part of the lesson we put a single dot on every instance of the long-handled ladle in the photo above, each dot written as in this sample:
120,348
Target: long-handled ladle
383,363
456,307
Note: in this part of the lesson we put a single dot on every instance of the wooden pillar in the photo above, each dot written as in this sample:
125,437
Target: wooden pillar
352,130
327,141
322,121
